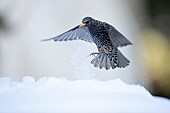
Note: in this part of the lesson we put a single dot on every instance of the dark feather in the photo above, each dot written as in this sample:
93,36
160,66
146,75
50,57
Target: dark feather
117,39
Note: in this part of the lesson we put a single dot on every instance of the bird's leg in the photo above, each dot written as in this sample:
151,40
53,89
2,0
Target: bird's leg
99,51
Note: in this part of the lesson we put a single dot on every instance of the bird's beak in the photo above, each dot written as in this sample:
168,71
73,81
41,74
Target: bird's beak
81,25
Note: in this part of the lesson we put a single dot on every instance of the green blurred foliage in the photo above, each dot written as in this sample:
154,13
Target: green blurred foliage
157,7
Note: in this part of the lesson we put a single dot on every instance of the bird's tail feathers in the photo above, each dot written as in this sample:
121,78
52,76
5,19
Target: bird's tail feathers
113,60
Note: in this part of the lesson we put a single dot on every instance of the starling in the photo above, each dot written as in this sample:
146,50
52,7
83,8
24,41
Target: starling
106,38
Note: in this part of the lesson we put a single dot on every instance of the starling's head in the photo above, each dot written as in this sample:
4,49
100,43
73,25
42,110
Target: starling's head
87,21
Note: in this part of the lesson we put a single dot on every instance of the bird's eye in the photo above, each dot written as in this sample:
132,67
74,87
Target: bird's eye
87,22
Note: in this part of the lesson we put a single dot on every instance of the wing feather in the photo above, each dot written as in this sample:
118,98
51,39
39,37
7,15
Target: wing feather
117,39
76,33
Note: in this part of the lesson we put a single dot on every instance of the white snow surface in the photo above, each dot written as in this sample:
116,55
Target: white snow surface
59,95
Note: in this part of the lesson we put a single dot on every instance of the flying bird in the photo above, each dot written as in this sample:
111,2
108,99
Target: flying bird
106,38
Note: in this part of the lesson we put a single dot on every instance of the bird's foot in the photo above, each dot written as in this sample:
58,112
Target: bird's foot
94,53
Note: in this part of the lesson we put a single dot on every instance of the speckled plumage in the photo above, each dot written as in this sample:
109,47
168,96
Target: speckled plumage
106,38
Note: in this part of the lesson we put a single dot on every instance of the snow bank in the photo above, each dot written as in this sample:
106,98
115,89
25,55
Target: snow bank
81,96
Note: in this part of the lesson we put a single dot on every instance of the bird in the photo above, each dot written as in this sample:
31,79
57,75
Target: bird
107,39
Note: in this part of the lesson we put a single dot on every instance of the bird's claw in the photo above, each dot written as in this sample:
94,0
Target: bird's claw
94,53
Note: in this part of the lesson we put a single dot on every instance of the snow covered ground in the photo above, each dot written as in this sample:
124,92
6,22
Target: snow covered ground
80,96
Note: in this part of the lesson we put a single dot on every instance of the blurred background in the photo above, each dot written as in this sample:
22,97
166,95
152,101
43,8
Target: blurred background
23,23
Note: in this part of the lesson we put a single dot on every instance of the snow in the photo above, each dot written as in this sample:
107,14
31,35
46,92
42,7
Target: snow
59,95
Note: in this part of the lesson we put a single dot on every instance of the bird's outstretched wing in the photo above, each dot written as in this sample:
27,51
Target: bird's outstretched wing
117,39
75,33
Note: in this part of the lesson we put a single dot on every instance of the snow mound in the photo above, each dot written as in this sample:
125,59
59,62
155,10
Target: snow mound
81,96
